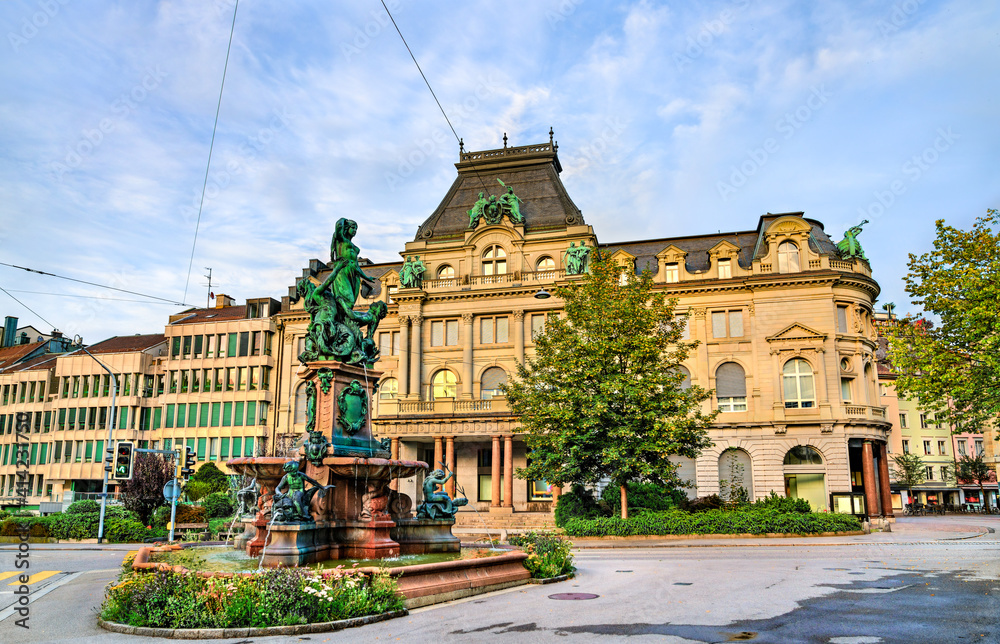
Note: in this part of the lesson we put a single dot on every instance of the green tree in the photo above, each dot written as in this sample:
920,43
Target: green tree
603,396
973,469
212,477
908,471
953,367
144,492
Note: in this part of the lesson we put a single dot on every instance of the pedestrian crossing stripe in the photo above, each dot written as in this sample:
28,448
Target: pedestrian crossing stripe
38,576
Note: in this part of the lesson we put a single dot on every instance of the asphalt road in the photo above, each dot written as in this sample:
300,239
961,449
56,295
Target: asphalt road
921,590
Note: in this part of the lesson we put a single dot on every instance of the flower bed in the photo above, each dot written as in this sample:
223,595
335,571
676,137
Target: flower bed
275,597
742,521
548,555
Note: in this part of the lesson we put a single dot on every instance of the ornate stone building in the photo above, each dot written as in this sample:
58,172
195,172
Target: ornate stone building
783,320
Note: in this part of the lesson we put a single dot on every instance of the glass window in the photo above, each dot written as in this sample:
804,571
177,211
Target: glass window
927,447
923,421
444,333
961,448
389,389
788,257
238,414
731,387
187,346
803,455
841,319
727,324
446,273
490,383
930,473
199,345
686,383
941,450
725,269
494,261
902,421
493,330
443,385
545,264
673,273
300,404
797,378
845,389
682,320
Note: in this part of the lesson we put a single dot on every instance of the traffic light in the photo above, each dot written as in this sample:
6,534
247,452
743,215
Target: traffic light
109,458
124,457
189,460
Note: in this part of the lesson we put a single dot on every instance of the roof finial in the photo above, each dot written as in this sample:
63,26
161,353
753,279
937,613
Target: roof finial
551,134
461,148
505,140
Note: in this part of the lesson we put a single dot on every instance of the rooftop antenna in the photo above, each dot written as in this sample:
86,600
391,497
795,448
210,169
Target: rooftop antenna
208,298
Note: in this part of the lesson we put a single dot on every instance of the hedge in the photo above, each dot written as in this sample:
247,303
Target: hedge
120,526
742,521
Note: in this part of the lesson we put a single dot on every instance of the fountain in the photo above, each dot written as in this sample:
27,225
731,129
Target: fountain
332,498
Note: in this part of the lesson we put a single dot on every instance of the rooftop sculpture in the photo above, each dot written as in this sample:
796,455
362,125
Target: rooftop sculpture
849,246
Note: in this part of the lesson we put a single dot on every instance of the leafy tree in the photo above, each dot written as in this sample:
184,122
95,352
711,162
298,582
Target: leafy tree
603,396
213,477
909,471
144,493
953,367
973,469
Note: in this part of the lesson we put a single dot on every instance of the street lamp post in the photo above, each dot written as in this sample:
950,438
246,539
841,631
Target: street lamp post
111,437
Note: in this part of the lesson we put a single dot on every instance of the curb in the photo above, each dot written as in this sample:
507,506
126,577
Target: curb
229,633
551,580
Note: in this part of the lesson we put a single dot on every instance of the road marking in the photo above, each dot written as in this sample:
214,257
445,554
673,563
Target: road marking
38,576
4,614
5,575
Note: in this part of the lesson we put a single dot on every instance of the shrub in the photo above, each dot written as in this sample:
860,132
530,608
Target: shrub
643,496
165,599
702,503
548,554
212,476
197,490
782,504
219,504
186,513
83,507
579,502
743,521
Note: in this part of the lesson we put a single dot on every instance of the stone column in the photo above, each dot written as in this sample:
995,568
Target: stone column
883,479
868,476
403,368
438,454
508,471
519,336
394,455
415,346
449,459
556,491
495,474
467,356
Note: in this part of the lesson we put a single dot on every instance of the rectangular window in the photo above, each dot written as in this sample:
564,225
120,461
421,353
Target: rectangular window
841,319
923,421
930,473
237,446
230,379
170,417
727,324
199,345
181,415
902,421
78,452
48,422
203,416
961,448
45,452
175,347
251,412
927,447
248,446
244,343
673,273
845,389
238,418
187,346
682,320
241,383
255,343
57,452
34,454
725,269
941,449
906,447
168,443
227,414
253,378
944,472
979,447
224,454
494,330
201,449
732,403
437,333
213,449
233,341
218,379
88,453
216,411
193,415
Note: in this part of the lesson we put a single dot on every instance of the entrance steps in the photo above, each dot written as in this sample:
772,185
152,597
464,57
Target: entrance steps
470,523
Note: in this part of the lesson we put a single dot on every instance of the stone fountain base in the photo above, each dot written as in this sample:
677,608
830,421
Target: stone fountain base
424,536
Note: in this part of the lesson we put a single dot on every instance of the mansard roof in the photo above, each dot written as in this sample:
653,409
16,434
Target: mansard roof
531,170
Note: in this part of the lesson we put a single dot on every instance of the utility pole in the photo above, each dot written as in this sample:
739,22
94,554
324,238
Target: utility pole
111,437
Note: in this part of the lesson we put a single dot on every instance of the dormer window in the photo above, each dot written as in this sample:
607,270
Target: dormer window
725,269
673,273
788,257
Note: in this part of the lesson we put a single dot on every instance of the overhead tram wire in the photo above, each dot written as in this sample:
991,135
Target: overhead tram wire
38,315
211,146
110,288
427,82
89,297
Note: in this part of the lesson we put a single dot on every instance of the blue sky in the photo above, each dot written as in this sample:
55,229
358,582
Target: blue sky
672,119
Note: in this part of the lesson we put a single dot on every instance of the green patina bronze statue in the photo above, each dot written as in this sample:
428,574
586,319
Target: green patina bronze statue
315,447
437,504
335,327
411,274
576,258
292,505
849,246
494,209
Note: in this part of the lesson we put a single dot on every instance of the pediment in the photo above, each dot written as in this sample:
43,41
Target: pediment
671,252
391,276
622,256
788,225
724,247
797,333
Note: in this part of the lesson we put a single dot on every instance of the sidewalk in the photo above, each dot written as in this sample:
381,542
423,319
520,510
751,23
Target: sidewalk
905,530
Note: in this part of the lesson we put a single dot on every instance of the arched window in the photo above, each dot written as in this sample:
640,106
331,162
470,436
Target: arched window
797,380
803,455
389,389
494,261
788,257
445,272
731,387
300,404
545,264
491,381
443,385
686,383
